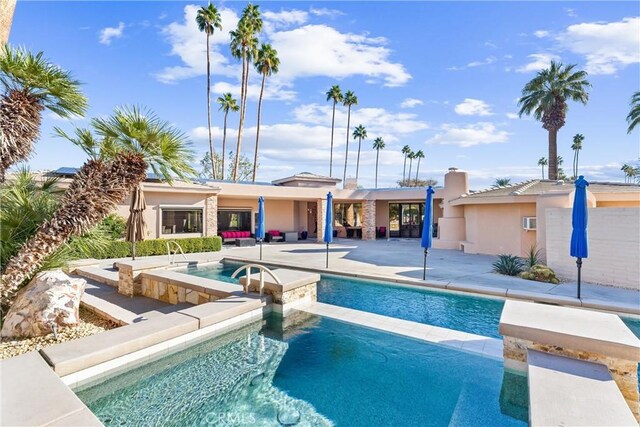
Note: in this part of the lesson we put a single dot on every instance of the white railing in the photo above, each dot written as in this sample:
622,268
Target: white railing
262,269
171,256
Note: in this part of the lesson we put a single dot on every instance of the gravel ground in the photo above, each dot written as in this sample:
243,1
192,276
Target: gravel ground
90,324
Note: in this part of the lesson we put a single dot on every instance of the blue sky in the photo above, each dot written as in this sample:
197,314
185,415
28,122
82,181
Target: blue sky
442,77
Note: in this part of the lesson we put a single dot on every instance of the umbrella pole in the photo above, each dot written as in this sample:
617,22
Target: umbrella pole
133,250
260,249
579,264
327,263
424,268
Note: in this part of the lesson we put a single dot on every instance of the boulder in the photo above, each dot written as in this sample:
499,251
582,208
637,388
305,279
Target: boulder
50,298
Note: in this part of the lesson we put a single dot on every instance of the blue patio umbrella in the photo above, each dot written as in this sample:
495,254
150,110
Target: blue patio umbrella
427,228
328,224
579,240
260,225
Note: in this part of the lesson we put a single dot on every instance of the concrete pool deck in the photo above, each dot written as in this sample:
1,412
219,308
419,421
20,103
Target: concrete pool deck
402,259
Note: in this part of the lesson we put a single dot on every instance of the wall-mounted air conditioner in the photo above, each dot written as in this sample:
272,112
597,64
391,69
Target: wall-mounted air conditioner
529,222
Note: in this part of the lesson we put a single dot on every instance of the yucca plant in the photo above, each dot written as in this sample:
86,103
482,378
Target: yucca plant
509,265
30,85
121,148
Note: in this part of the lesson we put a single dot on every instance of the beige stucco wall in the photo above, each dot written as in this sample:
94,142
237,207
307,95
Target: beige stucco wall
614,239
497,229
618,204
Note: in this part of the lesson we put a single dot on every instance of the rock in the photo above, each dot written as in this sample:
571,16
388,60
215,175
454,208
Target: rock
541,273
50,298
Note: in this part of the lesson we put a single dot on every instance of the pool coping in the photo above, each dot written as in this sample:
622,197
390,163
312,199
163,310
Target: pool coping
483,291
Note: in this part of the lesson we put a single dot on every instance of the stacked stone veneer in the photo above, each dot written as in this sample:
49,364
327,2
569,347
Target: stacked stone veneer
211,216
623,372
173,294
307,292
322,212
369,220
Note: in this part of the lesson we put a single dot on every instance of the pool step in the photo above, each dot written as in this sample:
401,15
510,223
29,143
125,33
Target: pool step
107,276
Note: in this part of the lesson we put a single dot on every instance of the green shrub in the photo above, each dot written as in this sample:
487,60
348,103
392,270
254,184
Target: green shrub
509,265
533,256
122,249
540,273
115,225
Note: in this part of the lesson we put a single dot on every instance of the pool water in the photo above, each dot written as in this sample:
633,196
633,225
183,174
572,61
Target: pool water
317,372
476,315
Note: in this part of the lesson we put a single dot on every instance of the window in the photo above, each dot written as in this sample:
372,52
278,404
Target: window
347,215
179,220
234,220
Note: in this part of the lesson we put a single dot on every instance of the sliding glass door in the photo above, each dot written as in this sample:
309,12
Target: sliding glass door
405,219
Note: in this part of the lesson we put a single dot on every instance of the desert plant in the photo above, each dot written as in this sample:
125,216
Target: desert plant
533,256
509,265
540,273
115,225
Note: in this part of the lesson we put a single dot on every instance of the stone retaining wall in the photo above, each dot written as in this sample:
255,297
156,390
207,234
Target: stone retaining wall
173,294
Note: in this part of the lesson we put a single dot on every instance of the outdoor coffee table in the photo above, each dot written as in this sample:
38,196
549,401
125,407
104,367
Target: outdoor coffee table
247,241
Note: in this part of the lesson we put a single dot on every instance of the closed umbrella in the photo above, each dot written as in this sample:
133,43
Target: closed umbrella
579,240
260,228
427,228
135,223
328,224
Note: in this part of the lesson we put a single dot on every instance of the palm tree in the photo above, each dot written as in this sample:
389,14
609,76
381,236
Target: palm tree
267,63
576,147
419,155
31,84
359,133
626,168
405,150
501,182
349,99
208,19
545,97
227,103
334,94
542,161
6,17
244,45
120,148
411,155
378,144
634,114
560,162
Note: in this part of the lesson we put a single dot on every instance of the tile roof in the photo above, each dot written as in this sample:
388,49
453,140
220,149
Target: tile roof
536,187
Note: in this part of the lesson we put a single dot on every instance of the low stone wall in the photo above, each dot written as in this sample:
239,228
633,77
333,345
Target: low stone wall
623,372
308,292
173,294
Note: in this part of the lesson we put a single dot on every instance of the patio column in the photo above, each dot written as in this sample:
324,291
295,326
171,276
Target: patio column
211,216
369,220
322,210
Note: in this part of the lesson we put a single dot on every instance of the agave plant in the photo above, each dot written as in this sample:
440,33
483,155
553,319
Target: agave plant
121,148
509,265
31,84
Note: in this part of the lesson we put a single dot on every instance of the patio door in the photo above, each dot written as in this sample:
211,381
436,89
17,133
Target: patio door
410,220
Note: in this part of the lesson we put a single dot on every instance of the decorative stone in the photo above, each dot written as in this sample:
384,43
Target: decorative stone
369,220
211,215
52,298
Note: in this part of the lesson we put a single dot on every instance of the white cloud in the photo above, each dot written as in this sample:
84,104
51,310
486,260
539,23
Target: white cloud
538,61
487,61
606,46
332,13
273,90
541,34
320,50
283,19
571,13
109,33
512,116
469,135
189,44
473,107
411,103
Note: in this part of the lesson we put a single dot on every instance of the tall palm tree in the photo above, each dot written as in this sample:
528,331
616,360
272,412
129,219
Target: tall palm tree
545,97
120,148
560,162
633,118
267,63
334,94
411,155
227,103
359,133
542,161
576,147
626,168
378,144
30,85
244,46
349,99
405,150
208,19
419,155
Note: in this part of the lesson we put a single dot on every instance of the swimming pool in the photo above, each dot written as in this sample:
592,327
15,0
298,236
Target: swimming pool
466,313
318,372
